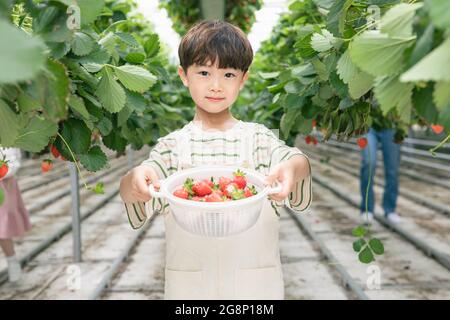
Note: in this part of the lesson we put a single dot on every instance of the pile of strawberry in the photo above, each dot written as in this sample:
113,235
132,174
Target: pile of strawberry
226,189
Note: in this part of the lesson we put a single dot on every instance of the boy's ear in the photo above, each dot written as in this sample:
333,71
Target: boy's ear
244,78
182,76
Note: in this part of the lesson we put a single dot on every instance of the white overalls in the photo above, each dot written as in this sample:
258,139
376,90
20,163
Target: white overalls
243,266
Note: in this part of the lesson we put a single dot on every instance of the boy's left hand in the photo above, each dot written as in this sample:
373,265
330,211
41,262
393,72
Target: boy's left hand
283,173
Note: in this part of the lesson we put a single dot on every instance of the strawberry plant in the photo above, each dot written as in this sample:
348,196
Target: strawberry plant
185,13
79,76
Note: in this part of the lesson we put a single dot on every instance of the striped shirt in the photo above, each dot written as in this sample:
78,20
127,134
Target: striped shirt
220,148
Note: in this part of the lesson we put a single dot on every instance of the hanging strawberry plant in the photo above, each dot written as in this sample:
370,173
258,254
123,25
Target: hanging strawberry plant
346,65
185,13
75,71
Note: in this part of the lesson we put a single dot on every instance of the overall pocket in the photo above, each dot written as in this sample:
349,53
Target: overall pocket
259,284
181,285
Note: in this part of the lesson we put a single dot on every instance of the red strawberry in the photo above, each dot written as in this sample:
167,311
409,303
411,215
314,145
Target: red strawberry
210,182
223,183
46,165
181,193
229,189
308,139
315,141
201,188
55,152
239,179
362,142
199,199
250,191
213,197
437,128
3,168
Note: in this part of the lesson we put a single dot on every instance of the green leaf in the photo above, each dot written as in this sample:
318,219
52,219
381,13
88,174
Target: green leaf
136,101
441,95
439,12
293,86
27,103
82,44
360,84
127,39
115,141
21,56
378,54
99,188
77,104
94,160
434,67
376,246
53,90
124,114
34,137
358,81
151,46
135,57
110,93
423,46
366,255
336,16
390,93
105,126
423,103
9,125
268,75
77,135
358,244
397,22
359,231
322,42
90,10
346,69
99,56
135,78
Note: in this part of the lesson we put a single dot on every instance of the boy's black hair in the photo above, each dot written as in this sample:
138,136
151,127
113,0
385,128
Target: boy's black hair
212,39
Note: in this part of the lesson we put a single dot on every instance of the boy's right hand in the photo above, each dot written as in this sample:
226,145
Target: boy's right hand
134,185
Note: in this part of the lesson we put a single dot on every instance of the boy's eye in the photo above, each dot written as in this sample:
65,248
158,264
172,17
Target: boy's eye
203,73
230,75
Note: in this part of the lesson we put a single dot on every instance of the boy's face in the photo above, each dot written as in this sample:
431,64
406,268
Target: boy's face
206,82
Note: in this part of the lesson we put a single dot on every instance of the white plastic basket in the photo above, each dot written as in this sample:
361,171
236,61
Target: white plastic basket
214,219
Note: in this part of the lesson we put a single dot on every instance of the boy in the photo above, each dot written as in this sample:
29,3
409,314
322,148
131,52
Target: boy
215,57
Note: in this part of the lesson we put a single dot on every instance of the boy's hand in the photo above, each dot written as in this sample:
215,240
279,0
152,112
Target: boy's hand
134,185
283,173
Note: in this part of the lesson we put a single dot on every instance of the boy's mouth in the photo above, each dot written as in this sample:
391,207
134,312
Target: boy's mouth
214,99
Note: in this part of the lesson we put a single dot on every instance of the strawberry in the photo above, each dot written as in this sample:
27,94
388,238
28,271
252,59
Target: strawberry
3,168
249,191
199,199
201,188
46,165
181,193
362,142
55,152
214,197
239,179
314,141
308,139
223,183
210,182
437,128
230,189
